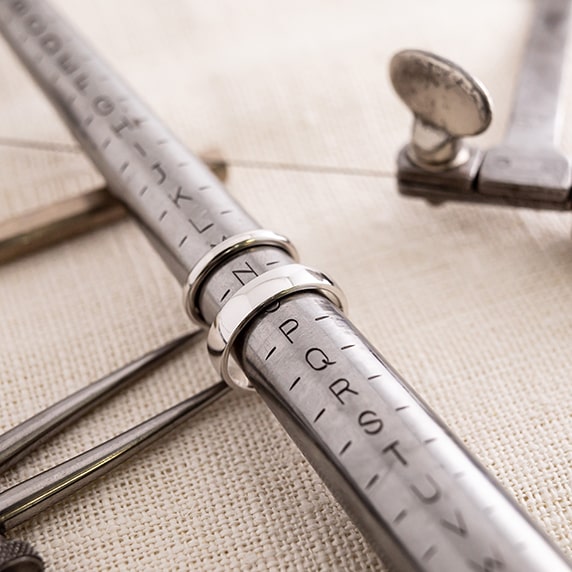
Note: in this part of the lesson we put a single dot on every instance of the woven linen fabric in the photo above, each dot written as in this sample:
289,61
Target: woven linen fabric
471,304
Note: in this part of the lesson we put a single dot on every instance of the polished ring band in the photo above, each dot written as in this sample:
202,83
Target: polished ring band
247,302
221,253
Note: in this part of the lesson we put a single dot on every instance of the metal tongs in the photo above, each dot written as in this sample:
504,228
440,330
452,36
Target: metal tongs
30,497
448,103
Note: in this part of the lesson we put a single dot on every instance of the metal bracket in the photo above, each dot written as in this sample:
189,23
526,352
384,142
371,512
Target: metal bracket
526,169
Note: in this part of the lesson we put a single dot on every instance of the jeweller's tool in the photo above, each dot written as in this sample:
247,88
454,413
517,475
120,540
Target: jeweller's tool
65,219
52,224
24,438
412,489
30,497
18,555
526,169
527,164
447,104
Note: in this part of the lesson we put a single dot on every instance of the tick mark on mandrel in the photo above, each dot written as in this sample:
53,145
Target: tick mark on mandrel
345,447
429,553
294,383
139,148
270,353
319,415
372,481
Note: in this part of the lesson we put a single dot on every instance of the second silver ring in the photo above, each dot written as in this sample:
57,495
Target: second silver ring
249,301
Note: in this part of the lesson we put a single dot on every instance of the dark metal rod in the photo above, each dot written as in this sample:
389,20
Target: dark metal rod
27,436
30,497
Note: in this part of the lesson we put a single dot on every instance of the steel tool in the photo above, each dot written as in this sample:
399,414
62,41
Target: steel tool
30,434
35,494
30,497
276,326
52,224
526,169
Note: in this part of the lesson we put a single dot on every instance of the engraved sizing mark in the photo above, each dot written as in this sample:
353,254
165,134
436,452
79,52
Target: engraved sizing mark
319,415
140,149
345,447
294,383
429,553
372,481
270,353
402,514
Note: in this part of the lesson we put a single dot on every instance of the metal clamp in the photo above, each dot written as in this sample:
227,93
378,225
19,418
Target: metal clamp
245,304
526,169
221,253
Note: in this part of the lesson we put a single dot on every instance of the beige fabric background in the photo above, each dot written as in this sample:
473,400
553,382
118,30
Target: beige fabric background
471,304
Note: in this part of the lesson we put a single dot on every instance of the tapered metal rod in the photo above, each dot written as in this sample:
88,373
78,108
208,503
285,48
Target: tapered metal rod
27,499
45,226
49,225
24,438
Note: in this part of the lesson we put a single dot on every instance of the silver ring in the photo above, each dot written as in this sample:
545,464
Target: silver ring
246,303
219,254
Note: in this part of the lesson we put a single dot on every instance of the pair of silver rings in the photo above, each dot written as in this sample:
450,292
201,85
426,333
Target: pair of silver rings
251,298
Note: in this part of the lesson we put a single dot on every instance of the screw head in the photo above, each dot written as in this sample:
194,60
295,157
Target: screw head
448,103
19,556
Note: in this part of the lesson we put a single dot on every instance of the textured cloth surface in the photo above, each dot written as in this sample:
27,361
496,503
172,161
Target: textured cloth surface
471,304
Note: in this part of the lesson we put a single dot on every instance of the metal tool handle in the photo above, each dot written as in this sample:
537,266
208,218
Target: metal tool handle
27,499
30,434
536,112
